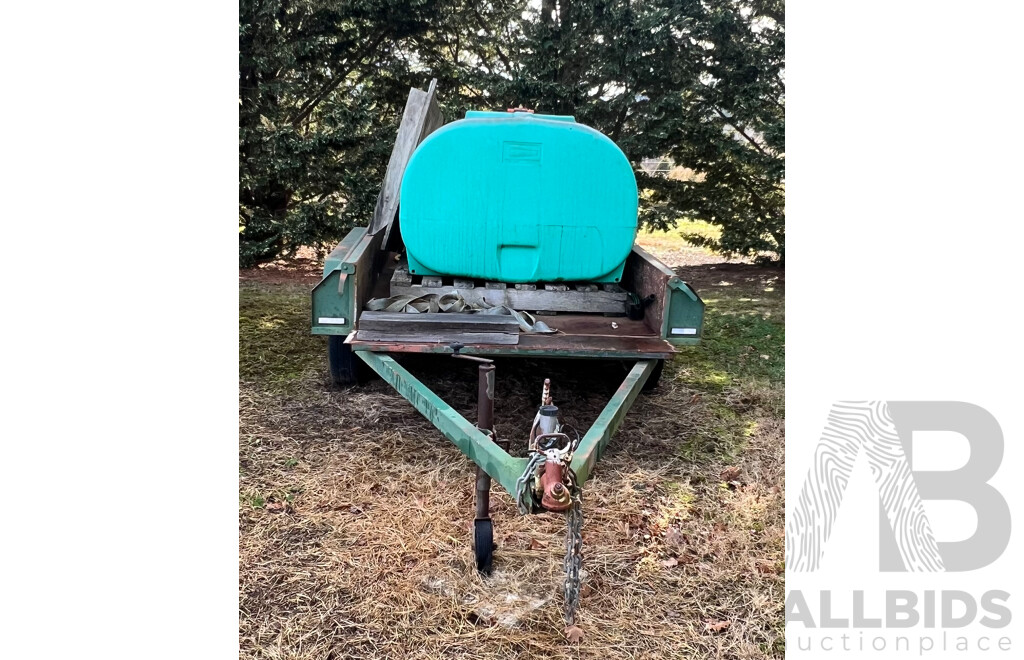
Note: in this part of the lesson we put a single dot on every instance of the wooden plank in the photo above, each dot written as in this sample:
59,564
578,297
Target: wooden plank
426,118
535,345
385,321
420,118
401,276
443,338
526,299
580,335
365,258
645,275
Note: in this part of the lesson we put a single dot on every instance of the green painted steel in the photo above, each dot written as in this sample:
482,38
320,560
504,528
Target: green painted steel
332,308
480,448
514,197
337,258
501,467
333,305
684,317
608,422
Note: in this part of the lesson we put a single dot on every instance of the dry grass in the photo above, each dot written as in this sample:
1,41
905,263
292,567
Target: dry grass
355,514
673,249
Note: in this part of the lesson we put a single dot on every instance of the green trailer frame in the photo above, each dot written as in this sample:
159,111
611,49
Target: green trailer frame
358,269
481,448
361,267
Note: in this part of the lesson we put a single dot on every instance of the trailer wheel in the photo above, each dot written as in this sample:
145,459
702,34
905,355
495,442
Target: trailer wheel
346,367
483,545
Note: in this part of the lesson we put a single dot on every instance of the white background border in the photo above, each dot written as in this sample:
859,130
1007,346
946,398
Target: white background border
120,177
904,213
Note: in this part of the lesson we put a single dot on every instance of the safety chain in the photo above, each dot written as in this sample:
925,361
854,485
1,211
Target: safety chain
573,561
573,555
542,450
524,482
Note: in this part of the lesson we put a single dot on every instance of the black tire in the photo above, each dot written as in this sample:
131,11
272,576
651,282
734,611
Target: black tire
655,377
346,367
483,545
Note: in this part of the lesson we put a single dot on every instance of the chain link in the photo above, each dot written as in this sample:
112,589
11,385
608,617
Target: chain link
573,554
524,484
573,562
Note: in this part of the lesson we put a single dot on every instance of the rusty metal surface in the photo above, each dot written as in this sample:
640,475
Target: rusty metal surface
484,422
579,336
556,496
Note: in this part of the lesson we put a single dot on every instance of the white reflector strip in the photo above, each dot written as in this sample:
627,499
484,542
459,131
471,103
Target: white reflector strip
676,331
332,320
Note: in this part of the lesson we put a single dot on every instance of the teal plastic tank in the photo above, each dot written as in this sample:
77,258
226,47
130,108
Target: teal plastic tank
518,197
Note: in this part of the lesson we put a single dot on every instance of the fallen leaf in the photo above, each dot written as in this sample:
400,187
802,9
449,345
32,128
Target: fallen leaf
716,626
670,562
674,536
537,545
574,634
731,473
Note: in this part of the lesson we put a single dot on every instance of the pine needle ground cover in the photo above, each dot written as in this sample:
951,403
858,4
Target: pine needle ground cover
355,514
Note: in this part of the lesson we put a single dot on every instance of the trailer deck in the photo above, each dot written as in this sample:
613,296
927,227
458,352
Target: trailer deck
578,336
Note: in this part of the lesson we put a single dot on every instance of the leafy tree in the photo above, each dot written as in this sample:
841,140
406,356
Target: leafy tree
699,81
733,131
321,83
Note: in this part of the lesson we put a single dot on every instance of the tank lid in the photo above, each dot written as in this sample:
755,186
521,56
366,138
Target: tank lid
516,116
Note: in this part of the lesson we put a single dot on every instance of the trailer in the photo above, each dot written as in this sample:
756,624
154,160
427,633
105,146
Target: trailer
641,313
